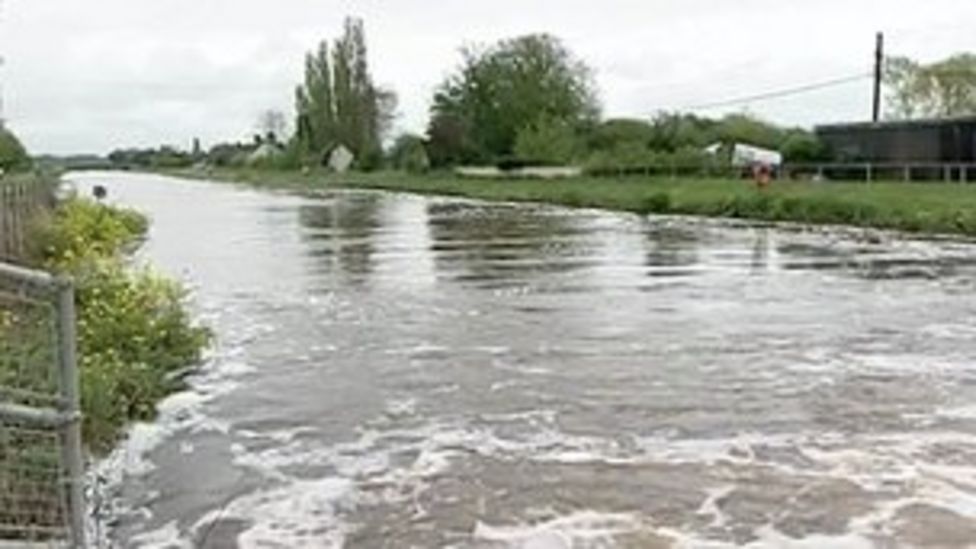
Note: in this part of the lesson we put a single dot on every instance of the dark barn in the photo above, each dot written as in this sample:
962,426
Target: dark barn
945,141
915,149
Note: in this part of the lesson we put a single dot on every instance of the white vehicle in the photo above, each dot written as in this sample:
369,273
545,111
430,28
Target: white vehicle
744,156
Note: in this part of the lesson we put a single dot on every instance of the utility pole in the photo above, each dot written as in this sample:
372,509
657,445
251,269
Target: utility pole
878,75
2,119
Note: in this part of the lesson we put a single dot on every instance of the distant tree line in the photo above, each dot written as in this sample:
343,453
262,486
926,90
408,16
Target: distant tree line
524,101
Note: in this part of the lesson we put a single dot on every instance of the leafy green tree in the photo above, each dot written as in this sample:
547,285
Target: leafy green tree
742,128
801,146
338,103
13,155
673,131
479,111
549,141
614,133
449,138
410,154
943,89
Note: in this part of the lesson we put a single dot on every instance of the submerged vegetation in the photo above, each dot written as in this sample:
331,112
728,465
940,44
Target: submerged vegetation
135,336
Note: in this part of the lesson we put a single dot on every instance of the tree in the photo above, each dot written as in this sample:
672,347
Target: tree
272,125
338,103
410,154
673,131
614,133
802,146
943,89
742,128
13,155
497,92
549,141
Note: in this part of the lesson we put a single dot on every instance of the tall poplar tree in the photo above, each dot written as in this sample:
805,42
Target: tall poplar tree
338,104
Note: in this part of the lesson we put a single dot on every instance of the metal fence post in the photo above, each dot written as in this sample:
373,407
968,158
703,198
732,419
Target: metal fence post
71,406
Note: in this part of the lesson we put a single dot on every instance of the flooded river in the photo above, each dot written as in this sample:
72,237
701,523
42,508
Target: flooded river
400,371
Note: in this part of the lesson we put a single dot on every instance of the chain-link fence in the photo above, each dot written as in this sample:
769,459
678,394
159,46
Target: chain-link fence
41,470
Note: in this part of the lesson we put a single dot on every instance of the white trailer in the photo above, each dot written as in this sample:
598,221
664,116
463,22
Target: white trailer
744,156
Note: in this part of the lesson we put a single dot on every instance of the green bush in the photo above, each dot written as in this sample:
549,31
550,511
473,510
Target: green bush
81,229
135,336
135,339
547,142
409,153
657,203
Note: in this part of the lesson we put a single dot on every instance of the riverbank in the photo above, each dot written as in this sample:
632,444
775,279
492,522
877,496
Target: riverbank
928,208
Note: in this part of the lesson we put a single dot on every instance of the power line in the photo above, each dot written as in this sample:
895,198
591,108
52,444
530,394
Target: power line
779,93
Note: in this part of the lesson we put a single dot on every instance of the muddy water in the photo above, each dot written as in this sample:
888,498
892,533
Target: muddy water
398,371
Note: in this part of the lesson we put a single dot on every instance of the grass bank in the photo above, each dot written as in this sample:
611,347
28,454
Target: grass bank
930,208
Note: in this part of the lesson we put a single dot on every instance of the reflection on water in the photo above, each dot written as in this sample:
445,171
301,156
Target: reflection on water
398,371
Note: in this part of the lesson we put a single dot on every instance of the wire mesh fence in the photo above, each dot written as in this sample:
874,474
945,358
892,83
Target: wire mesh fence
22,198
40,449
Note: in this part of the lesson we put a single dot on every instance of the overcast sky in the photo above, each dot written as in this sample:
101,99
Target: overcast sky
92,75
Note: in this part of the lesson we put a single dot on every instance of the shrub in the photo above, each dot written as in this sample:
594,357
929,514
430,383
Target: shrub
135,336
657,203
547,142
410,154
135,340
81,229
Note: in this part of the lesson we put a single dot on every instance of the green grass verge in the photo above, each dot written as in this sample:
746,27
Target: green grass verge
931,208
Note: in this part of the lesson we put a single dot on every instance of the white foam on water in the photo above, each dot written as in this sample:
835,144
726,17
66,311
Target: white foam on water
166,537
958,412
769,538
301,514
394,466
581,530
710,507
401,407
180,413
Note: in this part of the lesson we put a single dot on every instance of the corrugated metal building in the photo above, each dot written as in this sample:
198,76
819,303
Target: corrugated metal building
935,141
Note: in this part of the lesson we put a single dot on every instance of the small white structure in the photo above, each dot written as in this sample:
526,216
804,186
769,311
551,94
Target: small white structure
744,156
341,159
267,151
